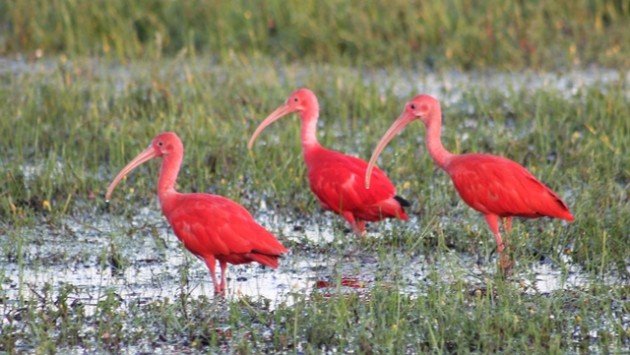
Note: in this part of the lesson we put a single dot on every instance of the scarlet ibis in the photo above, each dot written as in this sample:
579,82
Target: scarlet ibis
495,186
335,178
211,227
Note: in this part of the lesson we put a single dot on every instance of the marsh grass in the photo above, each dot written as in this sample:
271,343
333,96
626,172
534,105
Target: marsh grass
496,34
72,124
448,317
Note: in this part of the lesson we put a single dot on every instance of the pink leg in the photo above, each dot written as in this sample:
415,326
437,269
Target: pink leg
505,261
507,224
361,226
493,223
211,264
358,228
223,268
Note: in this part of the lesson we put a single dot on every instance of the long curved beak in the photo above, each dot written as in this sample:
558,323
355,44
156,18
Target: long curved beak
274,116
141,158
396,128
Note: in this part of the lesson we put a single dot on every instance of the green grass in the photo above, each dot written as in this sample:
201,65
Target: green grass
115,73
75,124
461,33
447,318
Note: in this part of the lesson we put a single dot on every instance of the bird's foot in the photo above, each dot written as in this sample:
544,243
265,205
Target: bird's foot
505,264
357,232
360,229
219,290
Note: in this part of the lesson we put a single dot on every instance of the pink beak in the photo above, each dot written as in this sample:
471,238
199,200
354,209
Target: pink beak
398,125
143,157
274,116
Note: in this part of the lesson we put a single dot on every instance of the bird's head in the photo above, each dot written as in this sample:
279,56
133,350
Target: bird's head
166,143
420,107
425,108
301,101
163,144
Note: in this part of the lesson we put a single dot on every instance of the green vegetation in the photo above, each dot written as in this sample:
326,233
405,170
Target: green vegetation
114,74
448,318
73,125
462,33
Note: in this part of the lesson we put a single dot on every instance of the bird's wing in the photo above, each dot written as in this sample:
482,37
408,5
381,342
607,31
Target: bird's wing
209,224
338,180
549,191
500,186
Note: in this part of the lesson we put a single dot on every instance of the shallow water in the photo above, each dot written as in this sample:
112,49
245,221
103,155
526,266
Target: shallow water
77,252
449,86
138,258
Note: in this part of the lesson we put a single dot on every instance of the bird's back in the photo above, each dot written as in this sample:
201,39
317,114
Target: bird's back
338,182
214,225
496,185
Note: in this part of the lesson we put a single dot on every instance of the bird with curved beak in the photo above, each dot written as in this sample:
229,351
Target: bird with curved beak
336,179
211,227
497,187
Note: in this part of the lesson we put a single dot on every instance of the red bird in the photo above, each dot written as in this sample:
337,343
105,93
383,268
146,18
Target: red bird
335,178
492,185
211,227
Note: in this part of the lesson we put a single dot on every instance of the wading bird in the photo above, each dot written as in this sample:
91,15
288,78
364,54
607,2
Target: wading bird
211,227
495,186
335,178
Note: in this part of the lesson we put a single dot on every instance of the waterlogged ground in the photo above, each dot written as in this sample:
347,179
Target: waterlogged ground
78,275
94,257
449,86
142,259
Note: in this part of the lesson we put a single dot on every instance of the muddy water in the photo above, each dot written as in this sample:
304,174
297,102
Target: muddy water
140,258
452,85
449,86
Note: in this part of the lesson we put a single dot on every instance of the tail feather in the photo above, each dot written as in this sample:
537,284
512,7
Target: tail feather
265,259
392,208
562,210
266,243
567,215
402,201
557,208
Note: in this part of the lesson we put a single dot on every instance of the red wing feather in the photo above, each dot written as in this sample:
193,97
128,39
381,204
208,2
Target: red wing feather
338,181
214,225
495,185
267,260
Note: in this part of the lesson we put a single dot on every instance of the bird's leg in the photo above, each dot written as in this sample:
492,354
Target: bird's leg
507,224
507,227
361,226
211,264
505,263
493,223
223,268
357,227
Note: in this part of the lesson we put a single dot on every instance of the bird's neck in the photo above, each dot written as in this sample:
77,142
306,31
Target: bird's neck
309,129
440,155
168,175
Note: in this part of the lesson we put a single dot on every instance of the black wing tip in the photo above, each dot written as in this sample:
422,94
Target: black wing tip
402,201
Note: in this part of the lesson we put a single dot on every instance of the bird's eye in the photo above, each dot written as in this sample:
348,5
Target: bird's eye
295,99
412,106
160,144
